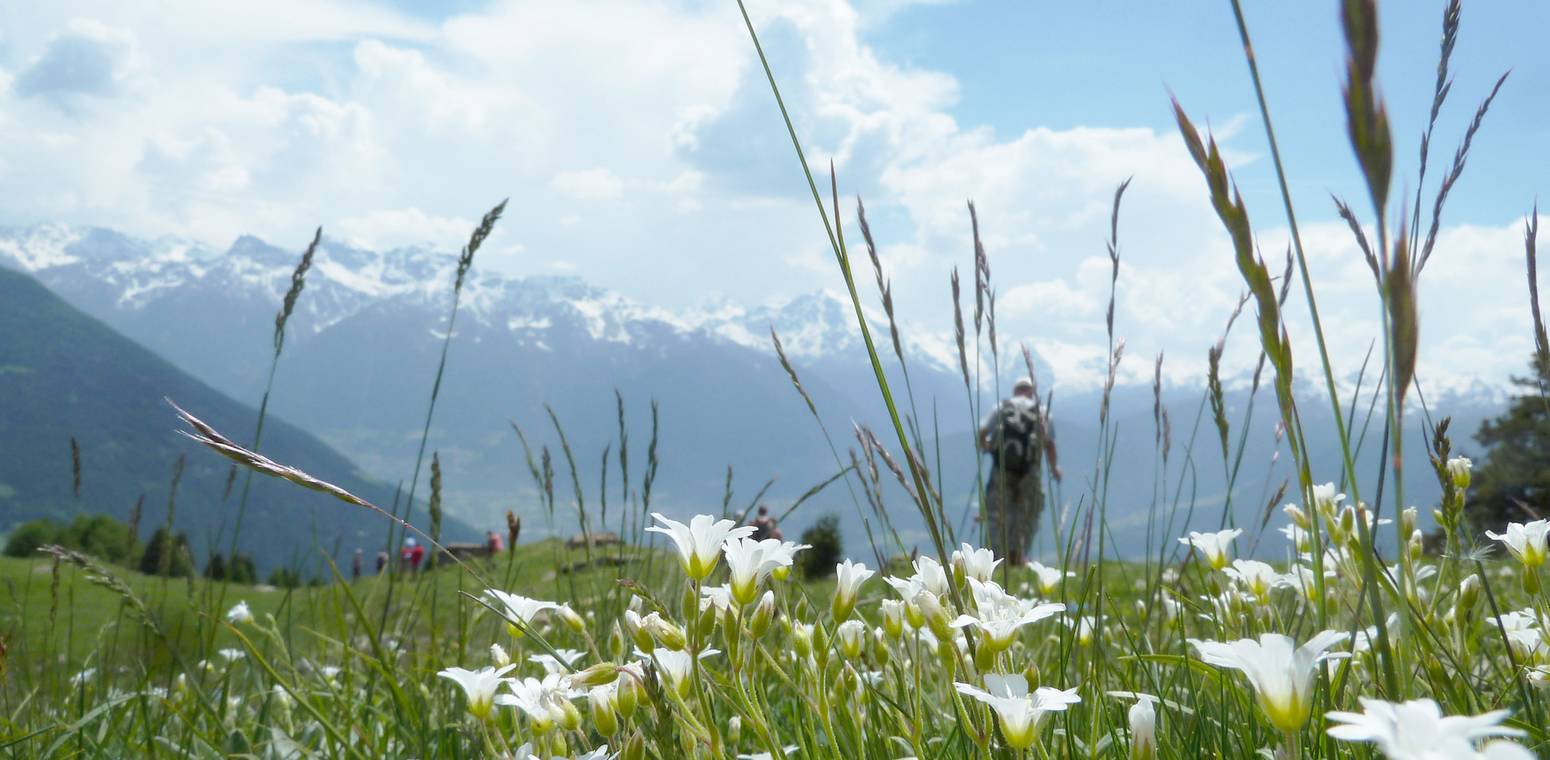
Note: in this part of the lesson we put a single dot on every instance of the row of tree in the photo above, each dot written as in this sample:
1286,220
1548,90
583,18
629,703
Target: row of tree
165,554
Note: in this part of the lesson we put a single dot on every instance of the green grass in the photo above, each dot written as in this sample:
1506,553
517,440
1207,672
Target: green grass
84,611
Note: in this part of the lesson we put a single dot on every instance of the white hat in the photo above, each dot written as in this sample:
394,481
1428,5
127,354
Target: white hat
410,541
1023,382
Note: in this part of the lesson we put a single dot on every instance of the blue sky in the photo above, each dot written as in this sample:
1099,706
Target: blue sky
642,151
1130,54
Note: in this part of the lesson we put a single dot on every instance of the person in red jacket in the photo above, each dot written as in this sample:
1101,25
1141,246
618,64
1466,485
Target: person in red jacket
416,554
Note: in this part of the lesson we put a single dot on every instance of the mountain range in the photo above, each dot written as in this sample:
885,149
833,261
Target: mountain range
362,348
67,381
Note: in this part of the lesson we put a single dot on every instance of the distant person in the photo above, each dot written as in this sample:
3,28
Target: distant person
1013,433
414,553
382,559
494,542
765,526
356,561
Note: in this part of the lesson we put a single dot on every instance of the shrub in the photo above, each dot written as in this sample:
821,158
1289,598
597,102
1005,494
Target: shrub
100,536
28,536
826,552
97,535
284,578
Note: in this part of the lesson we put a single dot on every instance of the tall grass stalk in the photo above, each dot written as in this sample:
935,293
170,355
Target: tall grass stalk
843,260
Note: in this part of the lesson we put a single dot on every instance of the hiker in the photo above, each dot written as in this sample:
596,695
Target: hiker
382,559
355,565
493,542
764,526
415,553
1014,496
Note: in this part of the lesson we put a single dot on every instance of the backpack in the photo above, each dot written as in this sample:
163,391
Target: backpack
1014,441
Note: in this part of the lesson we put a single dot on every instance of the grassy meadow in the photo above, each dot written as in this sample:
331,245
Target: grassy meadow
690,639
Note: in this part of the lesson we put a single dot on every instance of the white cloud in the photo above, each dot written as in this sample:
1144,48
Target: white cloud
381,230
642,150
588,185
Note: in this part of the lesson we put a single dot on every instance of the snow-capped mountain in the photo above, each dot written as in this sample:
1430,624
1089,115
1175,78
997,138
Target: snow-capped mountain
363,345
128,275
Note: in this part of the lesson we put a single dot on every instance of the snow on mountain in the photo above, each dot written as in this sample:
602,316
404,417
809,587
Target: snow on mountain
99,266
345,280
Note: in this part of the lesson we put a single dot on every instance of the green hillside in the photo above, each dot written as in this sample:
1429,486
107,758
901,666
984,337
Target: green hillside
65,374
83,612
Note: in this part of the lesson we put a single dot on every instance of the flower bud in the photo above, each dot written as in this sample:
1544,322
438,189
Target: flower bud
664,631
1031,673
763,614
635,748
893,618
1143,730
571,620
636,626
880,646
1458,470
734,730
600,674
985,657
616,644
914,616
568,716
627,694
1469,593
820,645
601,700
498,656
1407,520
1417,545
841,606
847,682
706,622
1298,517
800,610
852,635
802,639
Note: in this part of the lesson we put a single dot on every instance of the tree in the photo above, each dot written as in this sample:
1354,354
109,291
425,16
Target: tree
100,536
167,554
97,535
1512,483
242,570
823,538
25,540
284,578
215,568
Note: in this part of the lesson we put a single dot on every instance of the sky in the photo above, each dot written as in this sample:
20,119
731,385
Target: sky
642,151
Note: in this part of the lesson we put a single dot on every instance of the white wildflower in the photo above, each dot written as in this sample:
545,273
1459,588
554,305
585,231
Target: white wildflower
699,542
1280,671
1213,546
